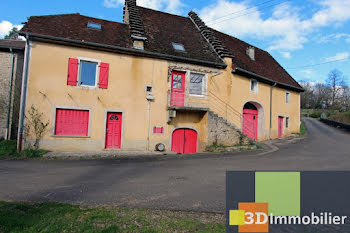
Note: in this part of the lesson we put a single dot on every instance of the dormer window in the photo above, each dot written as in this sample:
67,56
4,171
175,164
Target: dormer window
93,25
179,47
251,52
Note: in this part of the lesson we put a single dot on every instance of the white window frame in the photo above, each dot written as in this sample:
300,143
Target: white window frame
287,97
97,75
257,86
204,84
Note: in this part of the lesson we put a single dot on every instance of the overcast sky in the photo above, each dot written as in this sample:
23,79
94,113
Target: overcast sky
300,34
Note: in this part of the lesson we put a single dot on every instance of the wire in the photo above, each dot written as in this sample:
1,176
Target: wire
248,13
240,11
299,67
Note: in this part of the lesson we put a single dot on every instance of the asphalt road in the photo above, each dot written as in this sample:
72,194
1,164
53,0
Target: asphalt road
191,183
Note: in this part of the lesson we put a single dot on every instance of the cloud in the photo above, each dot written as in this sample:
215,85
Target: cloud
6,26
172,6
333,38
286,54
338,56
286,29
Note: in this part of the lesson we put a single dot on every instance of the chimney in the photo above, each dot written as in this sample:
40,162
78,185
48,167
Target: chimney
133,18
251,52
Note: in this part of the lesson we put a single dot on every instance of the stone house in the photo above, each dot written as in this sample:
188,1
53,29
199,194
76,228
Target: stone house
11,67
155,80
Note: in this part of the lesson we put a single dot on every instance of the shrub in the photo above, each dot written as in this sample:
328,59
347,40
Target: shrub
8,148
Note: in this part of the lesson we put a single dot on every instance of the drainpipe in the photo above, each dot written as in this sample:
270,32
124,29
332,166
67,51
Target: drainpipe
23,95
148,123
10,97
271,108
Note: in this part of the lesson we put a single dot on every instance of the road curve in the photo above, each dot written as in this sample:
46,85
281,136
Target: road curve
183,184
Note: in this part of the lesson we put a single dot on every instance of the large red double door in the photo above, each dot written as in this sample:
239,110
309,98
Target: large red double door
184,141
250,123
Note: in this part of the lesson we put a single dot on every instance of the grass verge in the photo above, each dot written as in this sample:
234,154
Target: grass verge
55,217
302,129
8,150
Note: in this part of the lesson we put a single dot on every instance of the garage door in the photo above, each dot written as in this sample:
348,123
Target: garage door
184,141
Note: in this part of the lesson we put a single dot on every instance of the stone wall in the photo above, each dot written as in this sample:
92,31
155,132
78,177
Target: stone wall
222,133
5,73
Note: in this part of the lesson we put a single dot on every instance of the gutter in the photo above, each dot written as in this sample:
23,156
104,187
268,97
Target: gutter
10,97
271,89
126,50
270,81
23,95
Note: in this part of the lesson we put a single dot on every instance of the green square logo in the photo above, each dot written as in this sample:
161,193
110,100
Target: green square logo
281,190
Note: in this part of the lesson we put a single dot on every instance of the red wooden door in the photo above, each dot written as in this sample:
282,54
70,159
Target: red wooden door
184,141
280,127
178,88
250,123
114,130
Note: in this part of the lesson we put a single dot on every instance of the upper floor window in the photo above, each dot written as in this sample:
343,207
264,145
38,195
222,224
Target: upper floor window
253,86
196,84
88,73
287,97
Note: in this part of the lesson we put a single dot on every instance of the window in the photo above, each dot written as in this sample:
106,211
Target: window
71,122
149,89
93,25
179,47
253,86
287,97
88,71
287,122
196,84
177,81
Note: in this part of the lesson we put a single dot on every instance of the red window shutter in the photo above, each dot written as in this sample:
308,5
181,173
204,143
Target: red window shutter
104,72
72,72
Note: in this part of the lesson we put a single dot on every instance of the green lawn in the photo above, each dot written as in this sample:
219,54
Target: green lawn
55,217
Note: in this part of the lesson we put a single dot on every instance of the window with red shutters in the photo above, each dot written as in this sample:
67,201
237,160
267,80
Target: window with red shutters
72,122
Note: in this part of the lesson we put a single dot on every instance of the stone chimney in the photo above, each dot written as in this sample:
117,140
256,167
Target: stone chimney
133,18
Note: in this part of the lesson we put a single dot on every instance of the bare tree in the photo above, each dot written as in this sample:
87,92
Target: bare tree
35,126
336,82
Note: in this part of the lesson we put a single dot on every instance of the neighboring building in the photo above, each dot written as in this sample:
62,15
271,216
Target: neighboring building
11,67
156,78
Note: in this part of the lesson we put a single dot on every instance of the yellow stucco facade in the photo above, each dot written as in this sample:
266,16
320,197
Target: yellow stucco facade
224,93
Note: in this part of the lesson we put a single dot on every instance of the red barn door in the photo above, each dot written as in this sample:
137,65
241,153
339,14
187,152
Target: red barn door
114,130
184,141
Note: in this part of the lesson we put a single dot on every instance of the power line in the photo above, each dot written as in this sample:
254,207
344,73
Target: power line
247,8
248,13
318,64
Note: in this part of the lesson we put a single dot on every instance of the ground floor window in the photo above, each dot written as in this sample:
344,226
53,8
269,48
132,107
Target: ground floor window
70,122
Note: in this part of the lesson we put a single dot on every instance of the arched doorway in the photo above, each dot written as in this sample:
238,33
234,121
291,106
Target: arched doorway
250,121
184,141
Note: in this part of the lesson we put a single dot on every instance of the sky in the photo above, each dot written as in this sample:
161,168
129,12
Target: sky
309,38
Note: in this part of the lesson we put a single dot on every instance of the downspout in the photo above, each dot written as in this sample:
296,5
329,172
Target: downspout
148,124
271,89
10,97
23,95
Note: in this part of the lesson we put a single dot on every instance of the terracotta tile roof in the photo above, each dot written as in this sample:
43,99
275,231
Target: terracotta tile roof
15,44
264,64
74,26
162,29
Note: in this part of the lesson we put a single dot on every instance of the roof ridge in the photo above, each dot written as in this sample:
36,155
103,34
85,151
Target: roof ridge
218,46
